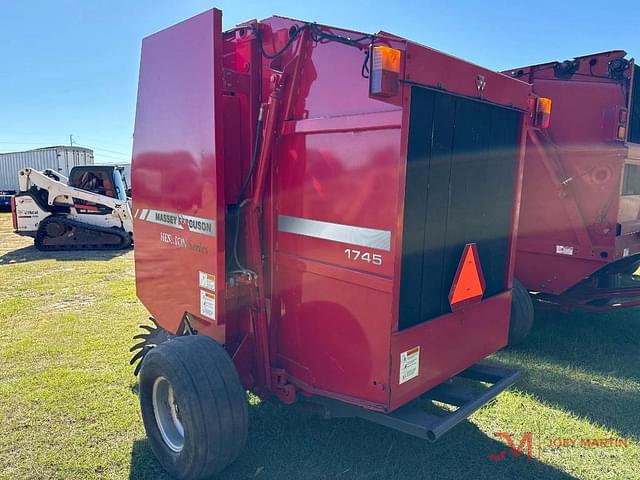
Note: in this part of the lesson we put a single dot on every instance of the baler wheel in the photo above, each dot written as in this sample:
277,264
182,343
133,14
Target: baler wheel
522,314
193,406
151,338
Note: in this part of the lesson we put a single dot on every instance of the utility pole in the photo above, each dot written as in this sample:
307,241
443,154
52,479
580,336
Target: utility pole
71,139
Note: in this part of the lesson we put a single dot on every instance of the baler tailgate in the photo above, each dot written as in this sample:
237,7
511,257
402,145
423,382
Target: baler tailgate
415,420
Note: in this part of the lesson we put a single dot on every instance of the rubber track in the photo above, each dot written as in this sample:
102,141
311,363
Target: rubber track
41,236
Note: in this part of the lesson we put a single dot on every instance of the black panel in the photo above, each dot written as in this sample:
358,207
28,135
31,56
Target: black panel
634,120
418,156
459,189
434,260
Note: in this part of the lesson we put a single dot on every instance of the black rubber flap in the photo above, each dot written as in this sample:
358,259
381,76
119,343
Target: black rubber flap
462,155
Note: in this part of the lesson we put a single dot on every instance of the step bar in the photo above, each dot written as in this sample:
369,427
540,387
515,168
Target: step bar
414,420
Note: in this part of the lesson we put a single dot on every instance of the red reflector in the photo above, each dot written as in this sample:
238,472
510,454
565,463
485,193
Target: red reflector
14,214
468,284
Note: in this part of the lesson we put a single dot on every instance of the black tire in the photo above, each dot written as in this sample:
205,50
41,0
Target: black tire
211,406
522,314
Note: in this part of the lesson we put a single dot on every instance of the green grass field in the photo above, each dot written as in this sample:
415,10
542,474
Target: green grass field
68,408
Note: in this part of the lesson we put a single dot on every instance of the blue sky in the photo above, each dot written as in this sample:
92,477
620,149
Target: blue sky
71,66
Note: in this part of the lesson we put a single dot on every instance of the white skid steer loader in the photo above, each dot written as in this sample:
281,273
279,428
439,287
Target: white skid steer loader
90,210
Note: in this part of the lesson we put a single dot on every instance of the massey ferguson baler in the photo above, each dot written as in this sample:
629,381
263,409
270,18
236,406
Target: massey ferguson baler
324,216
579,231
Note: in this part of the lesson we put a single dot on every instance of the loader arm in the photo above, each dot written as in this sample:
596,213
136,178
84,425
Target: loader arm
63,194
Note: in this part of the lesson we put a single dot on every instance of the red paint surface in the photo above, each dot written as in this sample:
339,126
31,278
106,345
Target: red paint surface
449,344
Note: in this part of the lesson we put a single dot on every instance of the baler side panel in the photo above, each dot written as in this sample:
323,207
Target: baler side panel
344,179
333,334
334,279
177,175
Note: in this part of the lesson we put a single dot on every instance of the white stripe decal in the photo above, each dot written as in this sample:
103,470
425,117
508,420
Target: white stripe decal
136,214
204,226
352,235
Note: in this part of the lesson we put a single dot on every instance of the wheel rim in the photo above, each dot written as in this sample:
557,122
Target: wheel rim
165,409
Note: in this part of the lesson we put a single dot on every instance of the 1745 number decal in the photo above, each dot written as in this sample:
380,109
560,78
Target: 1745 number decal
359,255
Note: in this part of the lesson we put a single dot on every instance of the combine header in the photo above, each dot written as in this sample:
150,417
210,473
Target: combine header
579,232
321,215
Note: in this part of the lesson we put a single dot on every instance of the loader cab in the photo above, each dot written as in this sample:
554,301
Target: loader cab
105,180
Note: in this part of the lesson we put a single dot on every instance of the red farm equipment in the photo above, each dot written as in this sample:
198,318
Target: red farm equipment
579,231
321,216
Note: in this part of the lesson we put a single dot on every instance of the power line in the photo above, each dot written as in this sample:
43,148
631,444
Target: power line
106,149
110,154
100,146
125,155
115,159
104,142
113,154
107,143
120,159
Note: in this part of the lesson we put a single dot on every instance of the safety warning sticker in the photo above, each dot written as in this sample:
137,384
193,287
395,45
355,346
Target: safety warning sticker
208,304
564,250
409,364
207,281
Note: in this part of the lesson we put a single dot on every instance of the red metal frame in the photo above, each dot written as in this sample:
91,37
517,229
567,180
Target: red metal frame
301,317
573,219
14,215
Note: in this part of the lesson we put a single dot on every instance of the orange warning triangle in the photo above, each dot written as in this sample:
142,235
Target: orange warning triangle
468,284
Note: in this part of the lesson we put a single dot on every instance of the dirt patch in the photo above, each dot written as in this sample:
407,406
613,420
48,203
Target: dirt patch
74,303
